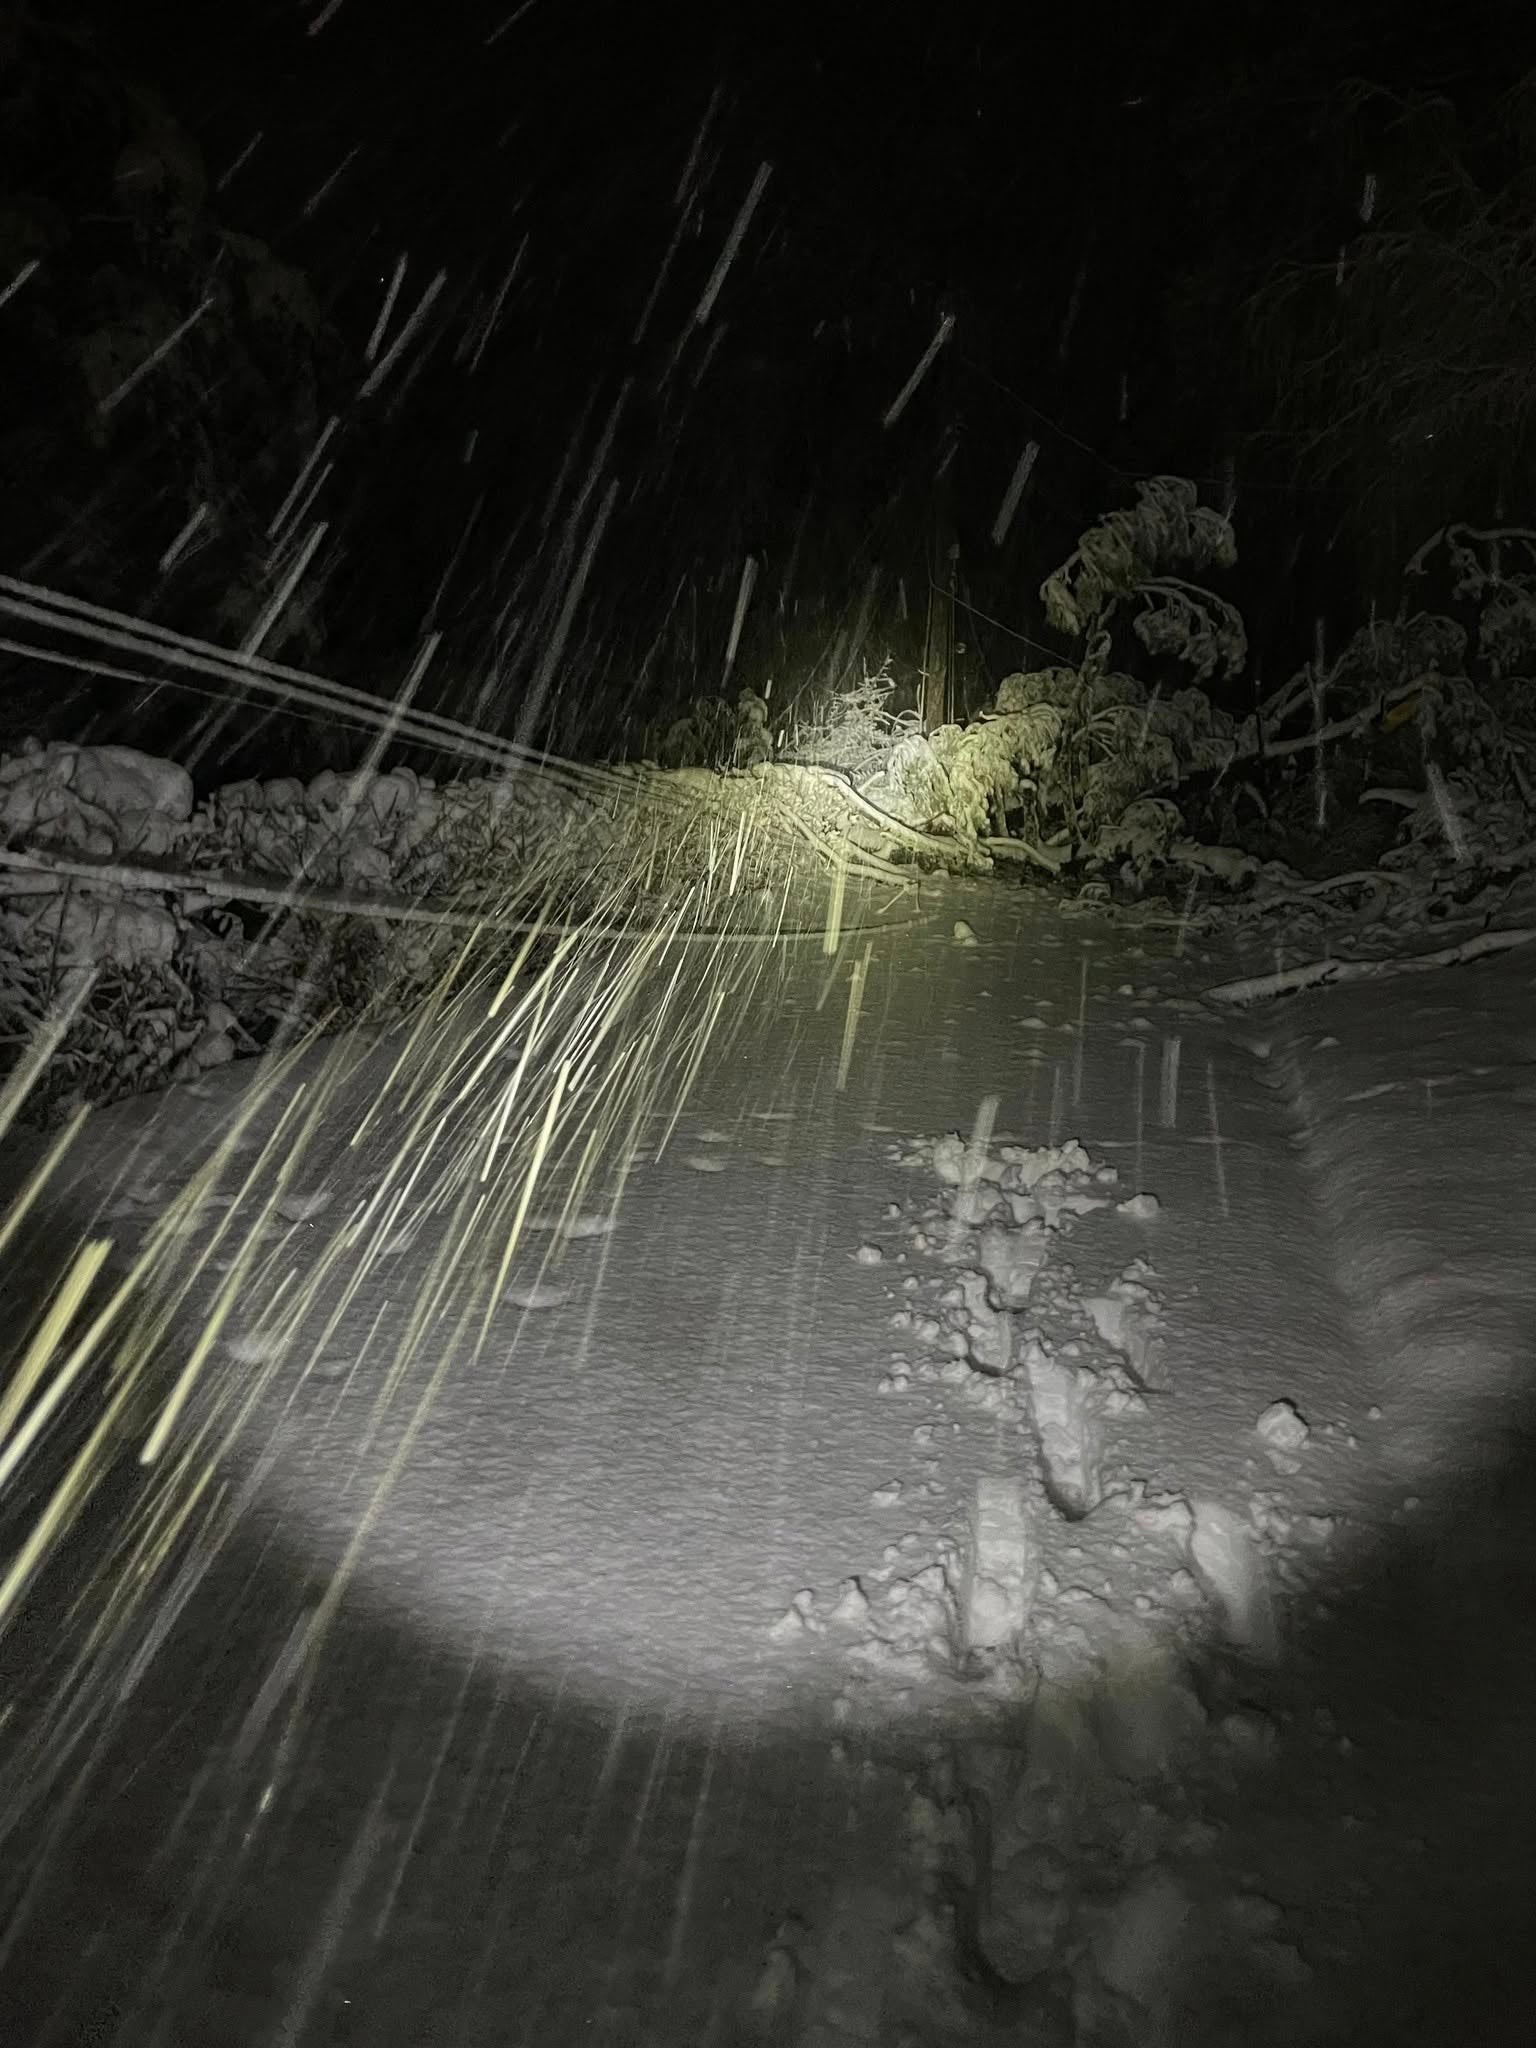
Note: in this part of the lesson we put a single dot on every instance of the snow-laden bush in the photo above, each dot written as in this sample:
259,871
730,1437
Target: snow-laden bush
1126,558
855,729
1489,720
1437,703
993,767
1431,711
1067,753
714,734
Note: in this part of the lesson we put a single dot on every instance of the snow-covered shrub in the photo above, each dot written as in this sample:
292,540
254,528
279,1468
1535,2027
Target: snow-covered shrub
1139,840
1436,706
855,730
715,734
994,767
1124,558
911,783
1072,750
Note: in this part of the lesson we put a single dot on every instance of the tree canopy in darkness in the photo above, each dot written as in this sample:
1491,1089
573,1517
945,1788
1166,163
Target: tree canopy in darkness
1128,217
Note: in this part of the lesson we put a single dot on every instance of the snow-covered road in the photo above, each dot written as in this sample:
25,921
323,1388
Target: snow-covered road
634,1677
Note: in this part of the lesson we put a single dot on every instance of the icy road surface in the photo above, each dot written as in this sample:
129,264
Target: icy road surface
646,1677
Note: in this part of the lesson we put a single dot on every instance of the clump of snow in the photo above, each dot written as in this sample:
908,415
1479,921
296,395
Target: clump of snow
1169,1516
1011,1259
947,1157
1000,1565
986,1330
1066,1422
591,1224
1146,1711
1228,1564
1127,1318
914,1627
538,1294
798,1619
254,1347
851,1608
1282,1426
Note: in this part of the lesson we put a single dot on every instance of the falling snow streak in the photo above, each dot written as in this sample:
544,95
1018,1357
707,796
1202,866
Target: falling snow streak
510,23
300,513
717,334
1074,307
399,705
926,362
184,539
1447,813
261,1305
136,377
663,270
743,598
27,270
683,196
595,469
567,462
404,338
318,197
493,317
733,243
457,556
856,981
241,160
392,292
290,505
533,710
1213,1120
280,599
1168,1086
1014,492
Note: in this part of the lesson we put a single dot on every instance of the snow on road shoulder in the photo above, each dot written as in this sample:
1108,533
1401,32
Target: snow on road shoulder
1099,1857
1415,1112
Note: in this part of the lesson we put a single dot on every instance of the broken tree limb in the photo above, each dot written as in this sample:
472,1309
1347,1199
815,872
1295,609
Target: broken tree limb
1021,850
1325,736
867,867
1260,988
947,852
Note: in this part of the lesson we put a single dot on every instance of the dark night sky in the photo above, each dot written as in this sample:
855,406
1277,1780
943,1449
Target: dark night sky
972,156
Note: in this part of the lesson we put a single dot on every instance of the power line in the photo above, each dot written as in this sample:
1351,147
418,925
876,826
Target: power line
1114,469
